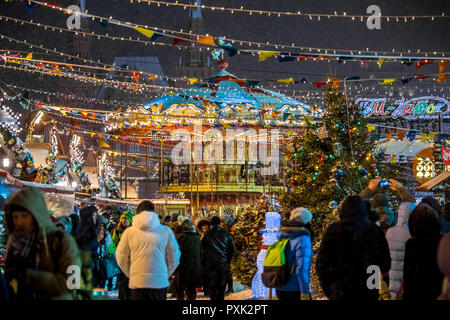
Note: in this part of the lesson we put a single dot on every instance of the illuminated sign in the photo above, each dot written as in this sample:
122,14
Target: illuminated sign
446,158
423,166
421,107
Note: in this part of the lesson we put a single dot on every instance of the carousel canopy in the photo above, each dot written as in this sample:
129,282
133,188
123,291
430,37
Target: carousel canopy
225,90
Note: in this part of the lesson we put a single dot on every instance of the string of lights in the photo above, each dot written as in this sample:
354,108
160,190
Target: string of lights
132,86
297,13
166,32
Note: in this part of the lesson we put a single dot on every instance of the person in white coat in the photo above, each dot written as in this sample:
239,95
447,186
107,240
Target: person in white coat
148,254
396,238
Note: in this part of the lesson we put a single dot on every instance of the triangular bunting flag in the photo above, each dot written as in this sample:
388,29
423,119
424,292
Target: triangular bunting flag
209,40
145,32
388,136
319,84
423,62
370,128
406,80
178,40
380,62
387,81
192,81
264,55
289,80
103,144
443,64
29,56
136,76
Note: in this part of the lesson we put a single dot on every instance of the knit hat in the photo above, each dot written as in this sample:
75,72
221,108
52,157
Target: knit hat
127,215
443,255
301,215
101,219
215,221
181,219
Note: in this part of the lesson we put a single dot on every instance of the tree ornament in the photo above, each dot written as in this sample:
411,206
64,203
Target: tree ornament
322,133
338,148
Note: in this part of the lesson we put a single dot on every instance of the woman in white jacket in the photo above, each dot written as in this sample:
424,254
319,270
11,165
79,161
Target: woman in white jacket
148,254
396,237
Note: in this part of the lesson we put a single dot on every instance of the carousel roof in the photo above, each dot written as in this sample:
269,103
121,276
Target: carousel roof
225,89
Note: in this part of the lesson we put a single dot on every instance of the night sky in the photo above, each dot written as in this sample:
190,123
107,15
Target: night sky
333,33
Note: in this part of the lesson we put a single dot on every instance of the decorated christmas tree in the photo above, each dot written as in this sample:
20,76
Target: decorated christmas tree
247,241
333,159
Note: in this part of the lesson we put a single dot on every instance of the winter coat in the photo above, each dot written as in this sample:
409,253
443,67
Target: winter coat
396,238
189,273
298,253
218,247
148,252
443,258
347,249
421,276
49,280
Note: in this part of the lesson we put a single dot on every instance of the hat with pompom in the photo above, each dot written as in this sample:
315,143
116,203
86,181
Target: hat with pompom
302,215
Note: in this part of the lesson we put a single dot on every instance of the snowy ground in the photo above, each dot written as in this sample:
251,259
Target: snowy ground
241,292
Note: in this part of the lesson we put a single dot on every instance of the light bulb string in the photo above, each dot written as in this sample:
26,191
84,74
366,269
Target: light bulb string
163,31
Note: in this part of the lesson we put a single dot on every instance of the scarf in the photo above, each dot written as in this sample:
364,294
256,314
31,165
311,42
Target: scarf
24,248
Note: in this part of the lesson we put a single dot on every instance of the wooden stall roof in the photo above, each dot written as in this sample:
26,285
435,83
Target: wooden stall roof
427,186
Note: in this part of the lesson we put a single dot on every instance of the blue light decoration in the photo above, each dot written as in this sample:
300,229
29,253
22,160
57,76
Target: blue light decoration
269,234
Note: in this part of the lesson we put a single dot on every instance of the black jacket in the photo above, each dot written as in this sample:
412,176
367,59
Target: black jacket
348,248
422,278
218,247
189,271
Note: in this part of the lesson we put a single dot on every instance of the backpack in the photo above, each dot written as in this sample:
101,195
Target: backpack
276,272
86,287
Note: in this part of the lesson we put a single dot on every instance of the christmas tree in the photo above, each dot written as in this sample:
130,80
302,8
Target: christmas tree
247,241
331,160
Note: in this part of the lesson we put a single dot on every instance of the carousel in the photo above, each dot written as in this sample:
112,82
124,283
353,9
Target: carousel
232,120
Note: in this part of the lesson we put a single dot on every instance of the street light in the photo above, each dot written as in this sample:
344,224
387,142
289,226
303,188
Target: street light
5,162
74,184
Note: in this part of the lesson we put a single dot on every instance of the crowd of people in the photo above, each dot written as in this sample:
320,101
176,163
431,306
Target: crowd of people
140,256
373,252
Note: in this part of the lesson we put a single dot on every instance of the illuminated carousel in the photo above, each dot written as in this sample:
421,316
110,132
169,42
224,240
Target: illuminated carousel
214,141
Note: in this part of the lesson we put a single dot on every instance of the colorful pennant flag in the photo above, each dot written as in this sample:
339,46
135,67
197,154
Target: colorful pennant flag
388,136
136,76
319,84
387,81
264,55
283,58
423,62
287,81
192,81
103,144
29,56
370,128
209,40
380,62
420,76
406,80
145,32
178,40
443,64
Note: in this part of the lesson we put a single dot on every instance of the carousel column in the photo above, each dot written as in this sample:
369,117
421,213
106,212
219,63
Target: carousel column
126,174
121,169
